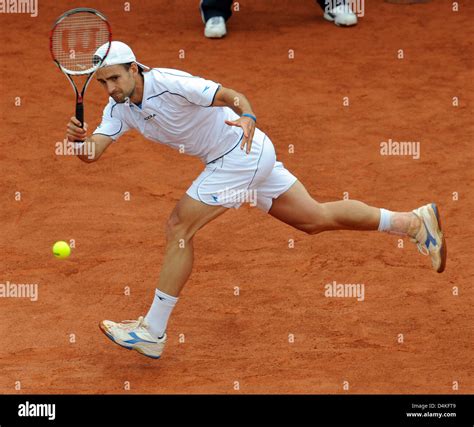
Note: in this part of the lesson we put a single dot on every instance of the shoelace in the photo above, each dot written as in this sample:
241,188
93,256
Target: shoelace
128,325
421,248
131,324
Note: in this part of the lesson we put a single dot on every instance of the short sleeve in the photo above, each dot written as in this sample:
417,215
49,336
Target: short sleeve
195,90
111,125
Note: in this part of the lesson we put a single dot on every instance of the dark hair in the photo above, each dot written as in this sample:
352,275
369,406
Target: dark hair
129,64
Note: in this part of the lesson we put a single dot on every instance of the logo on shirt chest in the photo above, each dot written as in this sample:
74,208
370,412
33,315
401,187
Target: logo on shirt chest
150,116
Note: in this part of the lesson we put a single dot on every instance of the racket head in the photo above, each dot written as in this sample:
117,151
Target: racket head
75,37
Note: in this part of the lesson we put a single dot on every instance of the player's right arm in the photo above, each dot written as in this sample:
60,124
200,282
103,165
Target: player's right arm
95,144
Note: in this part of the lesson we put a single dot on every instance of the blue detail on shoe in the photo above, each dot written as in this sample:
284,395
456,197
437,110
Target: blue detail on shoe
433,205
137,339
429,238
151,357
113,339
215,198
206,88
110,337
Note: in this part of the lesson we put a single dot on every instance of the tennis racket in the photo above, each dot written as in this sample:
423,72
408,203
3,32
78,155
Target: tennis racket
75,37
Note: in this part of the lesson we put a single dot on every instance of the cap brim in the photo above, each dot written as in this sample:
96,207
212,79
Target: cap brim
143,67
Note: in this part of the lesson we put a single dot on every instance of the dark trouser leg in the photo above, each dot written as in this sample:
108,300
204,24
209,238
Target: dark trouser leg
211,8
329,3
322,4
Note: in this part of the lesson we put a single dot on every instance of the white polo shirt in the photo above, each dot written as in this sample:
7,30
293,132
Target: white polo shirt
176,111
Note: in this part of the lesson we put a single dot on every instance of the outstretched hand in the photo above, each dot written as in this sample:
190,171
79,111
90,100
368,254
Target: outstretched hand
248,126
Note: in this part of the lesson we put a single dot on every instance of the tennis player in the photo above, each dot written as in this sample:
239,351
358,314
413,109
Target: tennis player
218,125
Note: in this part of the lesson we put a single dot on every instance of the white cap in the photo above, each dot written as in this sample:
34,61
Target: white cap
119,53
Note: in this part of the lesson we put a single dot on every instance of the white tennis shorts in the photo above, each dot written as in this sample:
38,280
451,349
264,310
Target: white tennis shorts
236,177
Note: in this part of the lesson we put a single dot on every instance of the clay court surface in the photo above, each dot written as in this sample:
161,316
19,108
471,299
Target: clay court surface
245,338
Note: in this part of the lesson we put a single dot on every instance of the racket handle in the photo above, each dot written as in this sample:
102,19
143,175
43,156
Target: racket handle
80,112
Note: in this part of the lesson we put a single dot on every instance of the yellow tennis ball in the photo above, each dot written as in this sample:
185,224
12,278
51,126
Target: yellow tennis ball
61,250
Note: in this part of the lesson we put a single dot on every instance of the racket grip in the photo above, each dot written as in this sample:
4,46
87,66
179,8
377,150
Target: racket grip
80,112
80,115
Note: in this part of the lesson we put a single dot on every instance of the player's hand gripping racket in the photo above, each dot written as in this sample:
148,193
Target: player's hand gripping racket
75,37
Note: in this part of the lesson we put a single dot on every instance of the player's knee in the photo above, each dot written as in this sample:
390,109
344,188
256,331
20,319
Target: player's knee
177,230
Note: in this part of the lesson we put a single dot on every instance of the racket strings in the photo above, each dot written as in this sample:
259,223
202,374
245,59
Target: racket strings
75,40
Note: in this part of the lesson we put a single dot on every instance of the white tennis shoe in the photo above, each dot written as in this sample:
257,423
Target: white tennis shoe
429,238
215,28
341,15
134,335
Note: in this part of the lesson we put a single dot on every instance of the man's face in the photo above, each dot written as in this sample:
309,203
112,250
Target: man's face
117,81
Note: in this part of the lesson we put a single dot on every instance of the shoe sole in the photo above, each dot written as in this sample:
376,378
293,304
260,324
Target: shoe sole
214,36
443,250
110,336
333,20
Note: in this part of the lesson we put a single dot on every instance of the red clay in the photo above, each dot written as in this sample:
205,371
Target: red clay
298,101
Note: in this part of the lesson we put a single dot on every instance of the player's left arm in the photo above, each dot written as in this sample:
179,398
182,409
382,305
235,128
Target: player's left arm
226,97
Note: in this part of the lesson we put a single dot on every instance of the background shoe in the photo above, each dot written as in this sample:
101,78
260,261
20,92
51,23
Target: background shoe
430,239
215,28
341,15
134,335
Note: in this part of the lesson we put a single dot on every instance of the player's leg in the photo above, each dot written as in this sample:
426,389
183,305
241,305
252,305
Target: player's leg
187,218
147,335
297,208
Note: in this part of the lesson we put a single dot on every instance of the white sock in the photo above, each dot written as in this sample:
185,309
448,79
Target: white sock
385,220
159,313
